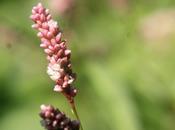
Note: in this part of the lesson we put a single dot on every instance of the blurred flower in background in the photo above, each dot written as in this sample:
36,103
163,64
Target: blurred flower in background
159,26
120,5
8,35
61,7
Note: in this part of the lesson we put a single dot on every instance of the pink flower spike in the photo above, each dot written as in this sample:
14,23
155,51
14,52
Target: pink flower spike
56,51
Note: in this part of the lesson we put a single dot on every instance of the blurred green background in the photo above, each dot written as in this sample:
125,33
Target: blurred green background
123,54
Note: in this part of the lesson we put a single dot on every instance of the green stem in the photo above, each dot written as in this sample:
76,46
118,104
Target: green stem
74,111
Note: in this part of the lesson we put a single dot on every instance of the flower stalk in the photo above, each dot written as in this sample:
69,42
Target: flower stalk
74,111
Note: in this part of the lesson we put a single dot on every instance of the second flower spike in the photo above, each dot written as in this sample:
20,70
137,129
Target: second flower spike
54,119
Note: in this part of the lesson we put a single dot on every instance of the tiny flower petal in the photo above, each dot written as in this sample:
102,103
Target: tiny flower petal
58,88
52,23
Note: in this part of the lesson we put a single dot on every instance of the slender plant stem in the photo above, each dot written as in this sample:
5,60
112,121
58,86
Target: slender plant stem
73,108
74,111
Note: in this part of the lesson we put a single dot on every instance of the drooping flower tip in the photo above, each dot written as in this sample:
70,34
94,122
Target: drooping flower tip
53,119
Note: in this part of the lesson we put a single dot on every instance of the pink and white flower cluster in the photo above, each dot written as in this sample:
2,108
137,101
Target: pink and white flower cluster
59,67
